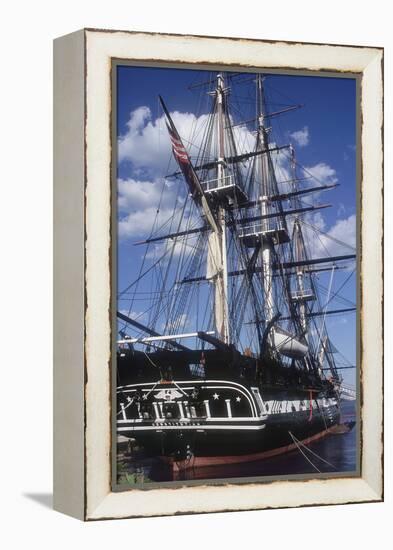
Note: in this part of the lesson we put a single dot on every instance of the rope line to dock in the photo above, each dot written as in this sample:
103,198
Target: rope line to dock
296,441
305,456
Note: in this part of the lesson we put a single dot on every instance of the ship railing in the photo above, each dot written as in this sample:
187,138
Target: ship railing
258,228
302,295
214,184
224,189
272,229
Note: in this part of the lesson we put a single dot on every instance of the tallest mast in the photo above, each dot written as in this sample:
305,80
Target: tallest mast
265,192
222,280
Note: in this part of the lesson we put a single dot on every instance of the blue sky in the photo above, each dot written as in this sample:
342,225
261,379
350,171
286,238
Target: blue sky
323,132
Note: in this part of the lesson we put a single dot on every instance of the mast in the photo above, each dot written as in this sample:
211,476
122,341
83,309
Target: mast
300,294
214,197
303,292
266,247
222,278
298,256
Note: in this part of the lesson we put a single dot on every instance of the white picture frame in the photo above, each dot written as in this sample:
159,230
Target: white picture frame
83,333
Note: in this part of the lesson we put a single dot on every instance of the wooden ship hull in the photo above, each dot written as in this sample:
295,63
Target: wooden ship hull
219,420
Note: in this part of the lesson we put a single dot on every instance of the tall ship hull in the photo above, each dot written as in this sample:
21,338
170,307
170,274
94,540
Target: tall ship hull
223,420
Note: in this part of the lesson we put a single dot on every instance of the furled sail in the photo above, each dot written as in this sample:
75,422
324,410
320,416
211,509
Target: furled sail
214,271
288,344
214,257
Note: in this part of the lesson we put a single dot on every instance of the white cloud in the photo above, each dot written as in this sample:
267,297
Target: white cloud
146,207
141,222
136,195
344,230
339,239
146,143
322,173
139,206
301,137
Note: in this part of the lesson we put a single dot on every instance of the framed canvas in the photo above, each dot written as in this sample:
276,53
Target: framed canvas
218,330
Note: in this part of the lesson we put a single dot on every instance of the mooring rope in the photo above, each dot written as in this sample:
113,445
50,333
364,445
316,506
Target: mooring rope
312,452
306,457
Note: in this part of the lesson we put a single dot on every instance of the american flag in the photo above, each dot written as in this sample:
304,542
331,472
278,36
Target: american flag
181,156
177,147
187,169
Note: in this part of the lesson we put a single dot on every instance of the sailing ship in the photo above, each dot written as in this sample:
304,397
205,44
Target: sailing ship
256,372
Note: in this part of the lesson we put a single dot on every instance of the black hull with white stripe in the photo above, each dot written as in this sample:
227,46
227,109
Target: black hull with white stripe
220,417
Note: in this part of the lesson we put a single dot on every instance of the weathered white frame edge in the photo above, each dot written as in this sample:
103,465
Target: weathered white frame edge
99,502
